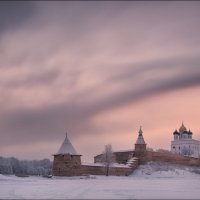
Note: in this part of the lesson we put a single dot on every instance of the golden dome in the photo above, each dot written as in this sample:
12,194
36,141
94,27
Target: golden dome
182,128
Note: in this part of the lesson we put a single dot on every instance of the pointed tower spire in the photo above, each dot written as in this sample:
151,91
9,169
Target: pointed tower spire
140,131
140,139
67,147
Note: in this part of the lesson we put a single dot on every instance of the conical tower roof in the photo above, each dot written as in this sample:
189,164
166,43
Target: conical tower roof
67,147
140,139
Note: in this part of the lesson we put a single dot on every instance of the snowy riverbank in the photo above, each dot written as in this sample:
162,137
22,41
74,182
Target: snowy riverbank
154,180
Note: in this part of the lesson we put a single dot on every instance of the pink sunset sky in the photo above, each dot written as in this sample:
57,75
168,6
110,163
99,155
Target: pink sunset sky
97,70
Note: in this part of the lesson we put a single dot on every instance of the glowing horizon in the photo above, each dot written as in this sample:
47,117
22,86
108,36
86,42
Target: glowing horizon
97,70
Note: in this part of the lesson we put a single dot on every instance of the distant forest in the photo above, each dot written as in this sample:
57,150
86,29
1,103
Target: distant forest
25,167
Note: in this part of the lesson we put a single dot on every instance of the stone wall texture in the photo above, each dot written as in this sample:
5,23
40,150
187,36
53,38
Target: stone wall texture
172,158
121,157
114,171
67,165
101,170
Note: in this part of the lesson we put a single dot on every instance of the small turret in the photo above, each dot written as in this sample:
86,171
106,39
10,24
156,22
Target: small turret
140,147
176,135
176,132
189,132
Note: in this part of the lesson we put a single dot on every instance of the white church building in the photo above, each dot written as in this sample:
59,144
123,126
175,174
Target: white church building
184,144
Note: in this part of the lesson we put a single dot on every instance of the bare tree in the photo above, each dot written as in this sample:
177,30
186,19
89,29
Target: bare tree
25,167
108,157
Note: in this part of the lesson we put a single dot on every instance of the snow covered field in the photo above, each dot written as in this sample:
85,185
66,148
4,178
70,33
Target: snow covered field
148,182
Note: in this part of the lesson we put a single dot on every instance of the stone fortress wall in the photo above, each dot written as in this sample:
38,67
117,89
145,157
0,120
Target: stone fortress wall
121,157
172,158
113,171
73,167
66,164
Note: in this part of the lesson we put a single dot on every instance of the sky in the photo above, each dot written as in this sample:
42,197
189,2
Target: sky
98,71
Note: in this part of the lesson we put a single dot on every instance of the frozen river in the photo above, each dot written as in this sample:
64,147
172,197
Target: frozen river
143,184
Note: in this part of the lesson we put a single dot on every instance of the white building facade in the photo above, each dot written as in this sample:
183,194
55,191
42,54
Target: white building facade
184,144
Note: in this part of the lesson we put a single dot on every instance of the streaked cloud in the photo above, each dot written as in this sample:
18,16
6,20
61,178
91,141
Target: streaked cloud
67,65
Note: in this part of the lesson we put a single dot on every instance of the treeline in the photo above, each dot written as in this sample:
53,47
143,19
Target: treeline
25,167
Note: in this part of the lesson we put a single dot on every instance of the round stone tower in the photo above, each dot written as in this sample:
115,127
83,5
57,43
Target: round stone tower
67,162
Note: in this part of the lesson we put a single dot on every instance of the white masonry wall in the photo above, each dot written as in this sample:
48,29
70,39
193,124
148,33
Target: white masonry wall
188,146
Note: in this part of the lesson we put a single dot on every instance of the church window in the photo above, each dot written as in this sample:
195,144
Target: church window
179,147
